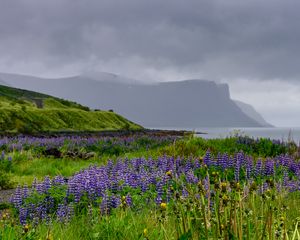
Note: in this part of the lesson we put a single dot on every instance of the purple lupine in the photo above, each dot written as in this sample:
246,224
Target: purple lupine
286,161
237,168
207,160
49,204
105,206
158,200
269,167
230,162
294,167
285,178
185,193
224,161
17,199
249,167
169,194
42,210
129,200
40,188
65,212
293,186
197,164
104,184
58,180
115,201
206,183
219,160
23,214
188,166
258,168
61,212
145,184
159,188
191,178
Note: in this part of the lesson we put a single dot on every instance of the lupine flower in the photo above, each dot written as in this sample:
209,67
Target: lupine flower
249,167
23,213
17,198
107,184
105,206
269,167
258,167
237,167
207,160
61,212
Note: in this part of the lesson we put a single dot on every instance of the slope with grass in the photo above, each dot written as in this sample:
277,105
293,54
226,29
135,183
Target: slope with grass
27,111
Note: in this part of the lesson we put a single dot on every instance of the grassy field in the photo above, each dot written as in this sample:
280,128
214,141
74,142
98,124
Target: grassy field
150,187
27,112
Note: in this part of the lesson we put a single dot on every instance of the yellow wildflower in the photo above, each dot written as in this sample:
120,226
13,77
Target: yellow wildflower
169,173
163,206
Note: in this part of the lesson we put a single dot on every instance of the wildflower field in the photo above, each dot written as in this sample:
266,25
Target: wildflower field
150,187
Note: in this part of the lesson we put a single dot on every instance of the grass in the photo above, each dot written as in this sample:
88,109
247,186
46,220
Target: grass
123,225
33,119
26,111
272,215
32,164
14,96
26,171
253,218
147,224
30,167
195,147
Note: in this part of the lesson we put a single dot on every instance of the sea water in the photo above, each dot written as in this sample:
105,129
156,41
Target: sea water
278,133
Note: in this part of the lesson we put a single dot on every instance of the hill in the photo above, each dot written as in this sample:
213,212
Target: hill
179,104
27,111
252,113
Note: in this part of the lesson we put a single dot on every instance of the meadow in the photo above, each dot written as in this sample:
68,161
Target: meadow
149,187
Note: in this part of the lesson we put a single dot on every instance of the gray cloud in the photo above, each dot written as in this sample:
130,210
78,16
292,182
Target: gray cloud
254,40
217,39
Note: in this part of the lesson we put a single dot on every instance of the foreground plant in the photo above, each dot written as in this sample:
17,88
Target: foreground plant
223,198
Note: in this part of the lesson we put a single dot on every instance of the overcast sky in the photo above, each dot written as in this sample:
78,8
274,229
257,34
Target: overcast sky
252,44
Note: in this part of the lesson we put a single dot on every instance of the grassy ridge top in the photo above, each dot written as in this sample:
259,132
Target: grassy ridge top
27,111
25,97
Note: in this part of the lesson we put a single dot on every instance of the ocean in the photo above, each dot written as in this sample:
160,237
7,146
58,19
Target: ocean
278,133
281,133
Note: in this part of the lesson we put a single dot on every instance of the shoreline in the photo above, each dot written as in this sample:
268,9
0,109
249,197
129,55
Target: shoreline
105,133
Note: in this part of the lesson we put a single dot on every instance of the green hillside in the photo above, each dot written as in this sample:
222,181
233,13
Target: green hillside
27,111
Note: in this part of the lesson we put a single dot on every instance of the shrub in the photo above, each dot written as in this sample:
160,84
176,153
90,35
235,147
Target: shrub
5,182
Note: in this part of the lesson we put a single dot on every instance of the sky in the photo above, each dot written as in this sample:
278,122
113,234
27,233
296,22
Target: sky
252,45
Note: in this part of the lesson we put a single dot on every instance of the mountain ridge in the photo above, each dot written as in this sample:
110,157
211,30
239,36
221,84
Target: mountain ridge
187,103
252,113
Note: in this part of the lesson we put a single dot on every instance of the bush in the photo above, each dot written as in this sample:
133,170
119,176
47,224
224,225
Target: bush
5,182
